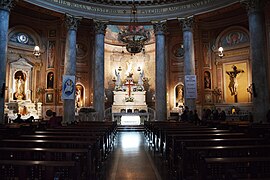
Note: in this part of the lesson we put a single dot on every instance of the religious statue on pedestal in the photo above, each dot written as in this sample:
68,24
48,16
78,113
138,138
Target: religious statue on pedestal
20,86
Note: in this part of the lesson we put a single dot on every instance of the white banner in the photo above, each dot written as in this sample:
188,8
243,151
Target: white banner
68,87
190,86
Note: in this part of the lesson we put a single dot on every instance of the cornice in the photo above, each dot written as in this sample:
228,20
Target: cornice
117,13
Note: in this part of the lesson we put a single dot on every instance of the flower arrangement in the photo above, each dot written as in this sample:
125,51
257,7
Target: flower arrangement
129,99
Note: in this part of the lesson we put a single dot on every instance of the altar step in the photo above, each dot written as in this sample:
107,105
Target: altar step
125,128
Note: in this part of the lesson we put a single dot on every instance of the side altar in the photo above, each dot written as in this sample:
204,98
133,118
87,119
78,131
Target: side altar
129,105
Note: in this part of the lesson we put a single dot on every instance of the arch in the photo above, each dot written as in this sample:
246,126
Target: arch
25,38
234,36
50,80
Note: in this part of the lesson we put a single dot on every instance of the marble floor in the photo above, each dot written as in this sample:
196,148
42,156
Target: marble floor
132,159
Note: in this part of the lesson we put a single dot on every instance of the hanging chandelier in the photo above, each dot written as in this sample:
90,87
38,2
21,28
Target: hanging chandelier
134,36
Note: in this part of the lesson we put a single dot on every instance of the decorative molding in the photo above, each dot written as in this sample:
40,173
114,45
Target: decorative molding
160,27
100,27
120,13
187,23
6,4
253,5
72,22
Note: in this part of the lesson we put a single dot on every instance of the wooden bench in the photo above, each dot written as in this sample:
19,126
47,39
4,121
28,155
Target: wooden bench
47,170
234,168
191,156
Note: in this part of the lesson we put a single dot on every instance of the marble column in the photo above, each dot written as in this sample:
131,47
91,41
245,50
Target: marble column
161,97
5,6
189,60
258,59
70,64
99,90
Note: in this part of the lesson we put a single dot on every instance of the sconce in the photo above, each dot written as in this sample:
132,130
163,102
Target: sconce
36,51
220,49
120,68
139,68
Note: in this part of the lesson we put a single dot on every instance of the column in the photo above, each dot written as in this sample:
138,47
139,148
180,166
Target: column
5,6
161,97
189,60
99,90
70,64
258,59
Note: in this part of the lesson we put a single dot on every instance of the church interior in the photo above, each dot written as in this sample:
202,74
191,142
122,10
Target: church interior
134,89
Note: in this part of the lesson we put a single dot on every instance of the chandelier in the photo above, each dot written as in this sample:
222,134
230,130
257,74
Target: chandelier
134,36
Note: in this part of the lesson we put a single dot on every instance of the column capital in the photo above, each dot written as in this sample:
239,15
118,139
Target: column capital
187,23
72,22
6,4
100,27
253,5
160,27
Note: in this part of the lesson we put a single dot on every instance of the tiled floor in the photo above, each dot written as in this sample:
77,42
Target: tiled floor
131,159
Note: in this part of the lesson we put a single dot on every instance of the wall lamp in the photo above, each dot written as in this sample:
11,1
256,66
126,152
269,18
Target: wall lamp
36,51
220,49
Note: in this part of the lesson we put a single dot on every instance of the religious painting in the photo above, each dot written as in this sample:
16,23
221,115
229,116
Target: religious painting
236,82
207,80
50,80
207,55
68,87
19,78
79,96
62,52
234,38
49,97
179,95
51,54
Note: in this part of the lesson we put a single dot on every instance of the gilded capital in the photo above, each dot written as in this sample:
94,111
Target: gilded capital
160,27
6,4
100,27
72,22
187,23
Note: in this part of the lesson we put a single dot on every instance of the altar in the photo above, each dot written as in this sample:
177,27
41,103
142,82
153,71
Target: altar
129,105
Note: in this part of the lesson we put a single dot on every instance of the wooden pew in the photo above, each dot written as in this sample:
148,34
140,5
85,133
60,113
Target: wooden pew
191,156
47,170
234,168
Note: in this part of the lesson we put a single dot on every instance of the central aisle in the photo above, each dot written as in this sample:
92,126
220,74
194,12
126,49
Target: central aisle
130,159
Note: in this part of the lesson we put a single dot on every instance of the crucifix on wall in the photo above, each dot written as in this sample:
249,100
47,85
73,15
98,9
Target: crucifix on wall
233,85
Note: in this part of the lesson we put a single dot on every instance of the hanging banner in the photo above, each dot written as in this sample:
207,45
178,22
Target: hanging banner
190,86
68,87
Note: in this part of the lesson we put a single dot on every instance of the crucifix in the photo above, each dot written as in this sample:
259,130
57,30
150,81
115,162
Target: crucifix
129,83
233,85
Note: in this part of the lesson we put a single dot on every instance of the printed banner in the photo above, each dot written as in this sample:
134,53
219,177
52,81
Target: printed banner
190,86
68,87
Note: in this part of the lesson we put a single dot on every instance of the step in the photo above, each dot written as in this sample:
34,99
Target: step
130,128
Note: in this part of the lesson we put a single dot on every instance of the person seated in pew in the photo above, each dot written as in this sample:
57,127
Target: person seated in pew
29,120
18,119
54,121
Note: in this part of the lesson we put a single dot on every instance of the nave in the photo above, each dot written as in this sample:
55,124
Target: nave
132,159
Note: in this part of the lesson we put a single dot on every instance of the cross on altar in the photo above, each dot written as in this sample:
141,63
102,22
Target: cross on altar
129,83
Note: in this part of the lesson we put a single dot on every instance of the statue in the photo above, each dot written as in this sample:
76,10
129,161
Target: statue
118,78
129,70
233,80
233,85
179,95
20,84
140,81
78,95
